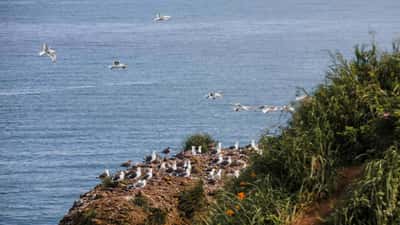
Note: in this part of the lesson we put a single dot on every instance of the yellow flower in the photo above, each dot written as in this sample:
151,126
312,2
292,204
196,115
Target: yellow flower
241,195
229,212
253,175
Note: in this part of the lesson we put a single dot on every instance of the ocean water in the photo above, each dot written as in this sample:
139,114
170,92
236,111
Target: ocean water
62,124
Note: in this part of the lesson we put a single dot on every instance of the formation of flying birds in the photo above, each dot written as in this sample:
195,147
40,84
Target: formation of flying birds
220,162
237,107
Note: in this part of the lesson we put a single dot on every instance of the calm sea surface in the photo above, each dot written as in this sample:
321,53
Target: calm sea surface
62,124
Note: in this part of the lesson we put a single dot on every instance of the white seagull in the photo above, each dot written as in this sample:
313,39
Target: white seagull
118,65
239,107
214,95
160,18
48,52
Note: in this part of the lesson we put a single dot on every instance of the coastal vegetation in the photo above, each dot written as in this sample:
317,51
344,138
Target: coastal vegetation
200,139
352,120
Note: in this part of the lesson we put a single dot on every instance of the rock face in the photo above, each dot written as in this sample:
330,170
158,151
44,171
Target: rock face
116,202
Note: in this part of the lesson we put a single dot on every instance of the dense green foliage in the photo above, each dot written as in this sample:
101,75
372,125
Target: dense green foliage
350,119
203,139
192,201
375,199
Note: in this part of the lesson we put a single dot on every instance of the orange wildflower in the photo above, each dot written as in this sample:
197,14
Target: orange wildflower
229,212
253,175
241,195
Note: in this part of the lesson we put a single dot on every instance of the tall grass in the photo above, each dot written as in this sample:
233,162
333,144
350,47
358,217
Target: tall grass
352,118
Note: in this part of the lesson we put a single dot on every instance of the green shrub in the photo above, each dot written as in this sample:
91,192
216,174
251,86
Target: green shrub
264,205
203,139
107,182
192,201
86,217
141,201
156,217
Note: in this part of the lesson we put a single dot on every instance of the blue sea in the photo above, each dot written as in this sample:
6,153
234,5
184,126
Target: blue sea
62,124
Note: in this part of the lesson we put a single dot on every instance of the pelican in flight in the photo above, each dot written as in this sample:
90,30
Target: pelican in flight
118,65
214,95
159,17
48,52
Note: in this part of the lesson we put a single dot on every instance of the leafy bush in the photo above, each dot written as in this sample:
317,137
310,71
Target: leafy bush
156,217
85,218
203,139
192,201
375,199
264,205
350,119
107,182
141,201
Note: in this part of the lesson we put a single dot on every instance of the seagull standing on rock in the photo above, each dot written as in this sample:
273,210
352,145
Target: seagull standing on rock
48,52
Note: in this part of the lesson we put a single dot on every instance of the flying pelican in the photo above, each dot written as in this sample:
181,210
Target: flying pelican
160,18
48,52
214,95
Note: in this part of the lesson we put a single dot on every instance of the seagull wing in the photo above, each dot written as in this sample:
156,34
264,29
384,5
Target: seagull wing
53,57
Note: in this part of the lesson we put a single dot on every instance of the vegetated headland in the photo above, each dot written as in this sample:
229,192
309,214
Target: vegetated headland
336,162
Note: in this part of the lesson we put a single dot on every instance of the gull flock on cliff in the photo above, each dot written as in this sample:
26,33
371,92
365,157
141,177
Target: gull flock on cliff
211,166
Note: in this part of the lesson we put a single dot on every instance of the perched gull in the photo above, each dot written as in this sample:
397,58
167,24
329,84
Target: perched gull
48,52
220,159
153,156
163,166
194,150
117,65
119,177
199,149
126,164
137,174
138,184
237,145
105,174
166,151
227,162
218,175
149,174
214,95
161,18
219,147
